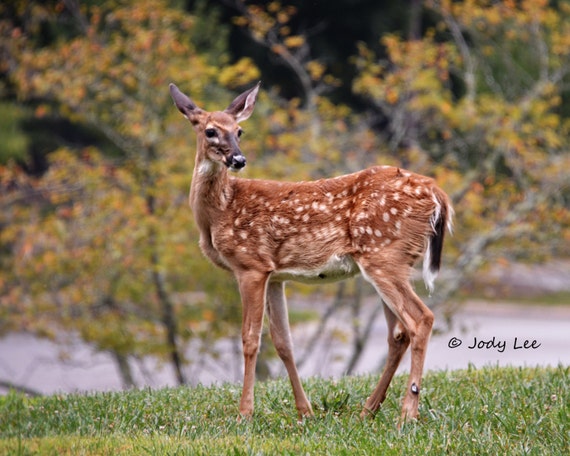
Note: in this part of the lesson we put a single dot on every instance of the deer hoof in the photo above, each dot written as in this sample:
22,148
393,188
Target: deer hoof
244,417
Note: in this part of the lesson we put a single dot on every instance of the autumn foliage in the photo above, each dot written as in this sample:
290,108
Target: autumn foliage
102,244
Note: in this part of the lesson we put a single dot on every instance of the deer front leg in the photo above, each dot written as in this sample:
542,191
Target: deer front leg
252,290
281,336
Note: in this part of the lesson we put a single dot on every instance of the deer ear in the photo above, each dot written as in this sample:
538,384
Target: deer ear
242,107
184,104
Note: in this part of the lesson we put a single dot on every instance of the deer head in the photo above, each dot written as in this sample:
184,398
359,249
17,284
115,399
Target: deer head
218,132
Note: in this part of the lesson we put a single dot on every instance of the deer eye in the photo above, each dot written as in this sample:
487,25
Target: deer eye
239,133
210,132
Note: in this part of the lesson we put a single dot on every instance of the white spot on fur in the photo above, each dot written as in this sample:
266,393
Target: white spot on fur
316,206
280,219
386,217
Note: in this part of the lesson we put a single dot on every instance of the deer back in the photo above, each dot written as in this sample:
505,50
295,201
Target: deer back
313,231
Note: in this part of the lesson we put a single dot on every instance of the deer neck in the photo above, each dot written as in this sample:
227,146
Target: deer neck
210,192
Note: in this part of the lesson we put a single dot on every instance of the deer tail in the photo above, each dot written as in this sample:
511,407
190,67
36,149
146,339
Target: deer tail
441,220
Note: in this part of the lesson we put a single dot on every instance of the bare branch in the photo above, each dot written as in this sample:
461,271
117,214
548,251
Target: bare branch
470,62
329,312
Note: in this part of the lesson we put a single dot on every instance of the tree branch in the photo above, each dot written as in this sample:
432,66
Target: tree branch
330,311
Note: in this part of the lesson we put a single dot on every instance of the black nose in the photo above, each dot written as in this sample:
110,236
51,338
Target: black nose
238,162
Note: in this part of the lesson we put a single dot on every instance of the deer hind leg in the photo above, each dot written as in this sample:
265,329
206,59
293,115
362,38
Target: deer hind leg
398,342
415,318
281,336
252,290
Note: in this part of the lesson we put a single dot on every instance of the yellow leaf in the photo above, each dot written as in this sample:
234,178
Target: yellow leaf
315,69
243,72
294,41
392,96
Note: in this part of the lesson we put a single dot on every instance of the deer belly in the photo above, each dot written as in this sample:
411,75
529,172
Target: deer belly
338,267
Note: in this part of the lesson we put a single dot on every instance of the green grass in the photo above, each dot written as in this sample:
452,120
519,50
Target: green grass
476,411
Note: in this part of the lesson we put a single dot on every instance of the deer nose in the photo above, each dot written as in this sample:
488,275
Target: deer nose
238,162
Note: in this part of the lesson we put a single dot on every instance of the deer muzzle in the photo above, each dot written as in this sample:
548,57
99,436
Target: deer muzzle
236,162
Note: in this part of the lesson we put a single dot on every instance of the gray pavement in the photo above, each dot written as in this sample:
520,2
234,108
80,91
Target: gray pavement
483,334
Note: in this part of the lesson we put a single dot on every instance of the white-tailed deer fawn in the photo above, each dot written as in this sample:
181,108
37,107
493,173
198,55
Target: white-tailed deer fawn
377,222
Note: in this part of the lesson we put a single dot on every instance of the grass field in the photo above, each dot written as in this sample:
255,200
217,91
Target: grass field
491,411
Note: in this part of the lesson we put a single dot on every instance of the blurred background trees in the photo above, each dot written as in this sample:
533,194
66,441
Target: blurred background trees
97,241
